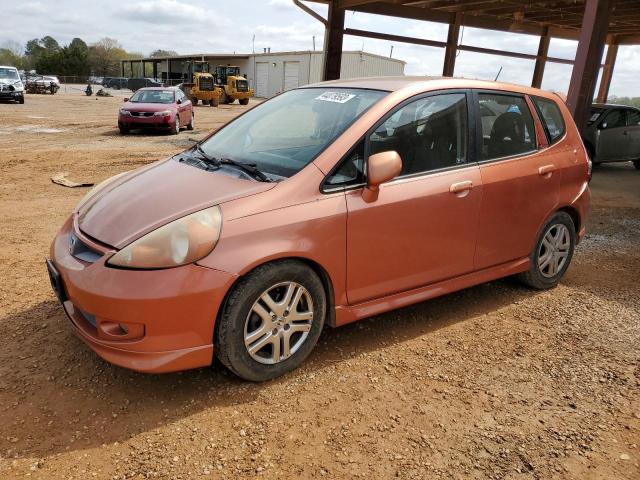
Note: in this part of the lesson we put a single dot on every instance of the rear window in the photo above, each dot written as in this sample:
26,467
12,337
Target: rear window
551,118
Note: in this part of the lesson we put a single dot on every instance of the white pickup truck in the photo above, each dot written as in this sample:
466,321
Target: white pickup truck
11,86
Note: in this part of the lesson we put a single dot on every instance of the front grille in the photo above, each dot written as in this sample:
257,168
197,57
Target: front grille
82,251
141,114
7,88
206,83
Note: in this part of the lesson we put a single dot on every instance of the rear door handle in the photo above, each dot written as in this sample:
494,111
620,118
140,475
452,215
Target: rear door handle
546,169
461,186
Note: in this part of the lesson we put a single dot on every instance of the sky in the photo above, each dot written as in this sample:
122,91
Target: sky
219,26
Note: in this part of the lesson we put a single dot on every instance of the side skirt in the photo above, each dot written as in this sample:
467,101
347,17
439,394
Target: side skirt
352,313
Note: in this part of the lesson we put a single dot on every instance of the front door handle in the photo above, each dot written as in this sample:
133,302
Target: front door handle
546,169
461,186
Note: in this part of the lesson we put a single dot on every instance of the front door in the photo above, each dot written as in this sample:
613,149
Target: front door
422,227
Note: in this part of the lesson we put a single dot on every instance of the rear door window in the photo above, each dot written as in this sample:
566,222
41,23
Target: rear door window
633,118
506,124
551,117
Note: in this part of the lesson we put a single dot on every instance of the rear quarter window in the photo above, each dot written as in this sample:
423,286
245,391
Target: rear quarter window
551,117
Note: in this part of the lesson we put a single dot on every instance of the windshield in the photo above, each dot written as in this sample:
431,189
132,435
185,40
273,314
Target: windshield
284,134
595,114
9,74
152,96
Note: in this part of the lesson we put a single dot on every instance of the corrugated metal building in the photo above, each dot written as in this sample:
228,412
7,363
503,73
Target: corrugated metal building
272,73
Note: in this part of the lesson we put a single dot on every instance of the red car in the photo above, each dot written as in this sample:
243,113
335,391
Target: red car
156,107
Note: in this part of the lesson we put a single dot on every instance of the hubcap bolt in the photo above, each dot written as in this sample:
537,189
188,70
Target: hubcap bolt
286,313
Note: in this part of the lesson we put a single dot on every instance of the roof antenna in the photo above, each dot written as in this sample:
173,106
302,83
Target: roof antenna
499,72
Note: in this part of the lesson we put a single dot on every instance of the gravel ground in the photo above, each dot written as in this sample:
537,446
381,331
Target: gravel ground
496,381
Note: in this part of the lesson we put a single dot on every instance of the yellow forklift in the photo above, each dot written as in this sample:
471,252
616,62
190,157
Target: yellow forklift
233,85
200,85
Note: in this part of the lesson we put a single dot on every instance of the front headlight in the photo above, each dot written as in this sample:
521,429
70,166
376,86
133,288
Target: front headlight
182,241
166,113
124,111
18,85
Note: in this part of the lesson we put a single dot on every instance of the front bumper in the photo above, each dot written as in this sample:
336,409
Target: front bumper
130,122
169,314
8,95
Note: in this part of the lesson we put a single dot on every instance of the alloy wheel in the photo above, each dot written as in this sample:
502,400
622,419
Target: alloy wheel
278,323
554,250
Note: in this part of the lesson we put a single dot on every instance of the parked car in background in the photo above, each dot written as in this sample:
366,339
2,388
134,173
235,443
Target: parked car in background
321,206
116,83
159,108
613,134
96,80
11,85
135,84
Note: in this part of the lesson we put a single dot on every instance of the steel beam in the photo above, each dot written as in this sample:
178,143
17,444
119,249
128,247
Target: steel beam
593,35
541,59
451,50
607,72
333,36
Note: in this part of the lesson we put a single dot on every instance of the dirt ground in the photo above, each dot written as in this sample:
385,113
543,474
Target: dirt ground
496,381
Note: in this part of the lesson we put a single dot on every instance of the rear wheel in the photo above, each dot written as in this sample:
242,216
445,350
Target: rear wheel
552,253
244,101
271,321
636,163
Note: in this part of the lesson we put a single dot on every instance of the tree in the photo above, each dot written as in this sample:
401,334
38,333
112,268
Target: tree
76,58
163,53
105,56
12,53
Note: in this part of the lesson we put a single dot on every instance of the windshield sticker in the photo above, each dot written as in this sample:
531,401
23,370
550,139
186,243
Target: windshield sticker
335,97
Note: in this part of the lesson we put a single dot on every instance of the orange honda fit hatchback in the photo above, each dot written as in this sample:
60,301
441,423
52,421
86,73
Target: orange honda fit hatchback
324,205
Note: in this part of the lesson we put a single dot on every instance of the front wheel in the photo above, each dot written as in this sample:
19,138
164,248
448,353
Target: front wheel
552,253
244,101
191,125
271,321
636,163
176,127
21,100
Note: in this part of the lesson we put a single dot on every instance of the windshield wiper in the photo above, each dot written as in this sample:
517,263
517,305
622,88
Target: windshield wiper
250,168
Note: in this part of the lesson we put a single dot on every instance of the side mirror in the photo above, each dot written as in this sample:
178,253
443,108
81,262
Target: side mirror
126,99
178,101
381,168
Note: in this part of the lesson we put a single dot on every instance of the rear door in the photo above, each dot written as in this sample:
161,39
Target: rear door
422,227
633,132
520,183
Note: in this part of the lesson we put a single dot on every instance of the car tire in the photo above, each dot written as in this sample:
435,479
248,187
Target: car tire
176,128
192,123
244,101
223,97
257,347
123,130
552,253
214,102
21,100
636,163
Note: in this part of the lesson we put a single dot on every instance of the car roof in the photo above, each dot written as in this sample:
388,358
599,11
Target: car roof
8,66
392,84
157,88
612,105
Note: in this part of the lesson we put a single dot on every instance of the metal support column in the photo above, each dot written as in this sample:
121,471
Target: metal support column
607,72
541,59
451,50
334,34
593,34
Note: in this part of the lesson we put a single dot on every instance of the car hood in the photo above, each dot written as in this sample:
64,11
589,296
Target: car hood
148,107
145,199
